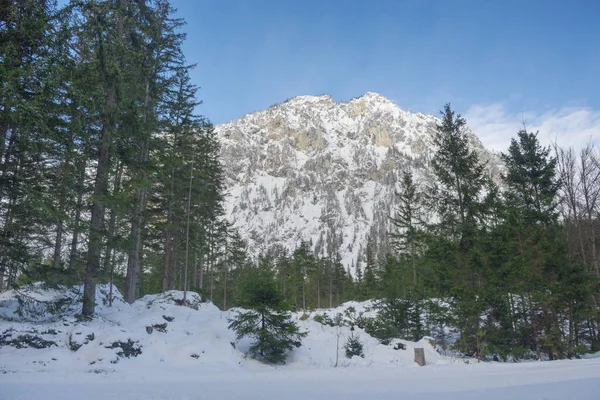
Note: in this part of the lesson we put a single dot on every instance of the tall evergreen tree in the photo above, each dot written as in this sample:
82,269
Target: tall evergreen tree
461,177
460,205
539,248
531,179
26,90
408,219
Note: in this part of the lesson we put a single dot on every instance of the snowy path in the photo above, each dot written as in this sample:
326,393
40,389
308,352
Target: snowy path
578,379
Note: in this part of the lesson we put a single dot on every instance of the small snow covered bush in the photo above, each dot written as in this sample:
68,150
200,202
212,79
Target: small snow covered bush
354,347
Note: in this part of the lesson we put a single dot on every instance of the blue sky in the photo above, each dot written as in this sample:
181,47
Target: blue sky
519,58
500,63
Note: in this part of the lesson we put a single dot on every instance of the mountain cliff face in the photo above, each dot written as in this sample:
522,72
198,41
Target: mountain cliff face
316,170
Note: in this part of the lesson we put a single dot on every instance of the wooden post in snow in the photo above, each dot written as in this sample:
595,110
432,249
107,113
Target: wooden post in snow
420,356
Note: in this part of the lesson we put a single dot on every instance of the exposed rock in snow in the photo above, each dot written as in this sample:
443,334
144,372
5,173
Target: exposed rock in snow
40,303
313,169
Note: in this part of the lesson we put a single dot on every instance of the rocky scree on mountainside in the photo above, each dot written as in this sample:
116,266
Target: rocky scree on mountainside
315,170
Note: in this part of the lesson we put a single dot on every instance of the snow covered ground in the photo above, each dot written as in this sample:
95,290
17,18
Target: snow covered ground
541,380
189,354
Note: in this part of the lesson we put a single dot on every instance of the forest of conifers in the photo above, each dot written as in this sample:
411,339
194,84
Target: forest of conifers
108,175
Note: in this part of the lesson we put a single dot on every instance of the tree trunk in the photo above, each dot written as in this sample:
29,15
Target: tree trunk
132,282
318,292
195,277
211,264
331,287
304,296
5,124
283,285
10,150
77,227
536,339
174,262
167,265
58,240
98,208
225,289
201,274
187,235
413,255
109,259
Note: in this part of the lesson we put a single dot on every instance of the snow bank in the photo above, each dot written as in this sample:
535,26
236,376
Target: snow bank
40,303
158,348
41,332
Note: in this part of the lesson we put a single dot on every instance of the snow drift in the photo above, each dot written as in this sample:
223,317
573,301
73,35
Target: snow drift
40,330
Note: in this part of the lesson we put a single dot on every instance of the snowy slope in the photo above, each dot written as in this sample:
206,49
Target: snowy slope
313,169
166,334
189,355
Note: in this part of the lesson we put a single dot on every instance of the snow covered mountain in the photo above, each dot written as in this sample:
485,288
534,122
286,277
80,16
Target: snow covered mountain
313,169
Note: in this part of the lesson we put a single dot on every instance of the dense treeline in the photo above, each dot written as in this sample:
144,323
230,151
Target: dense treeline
105,170
510,268
513,269
107,174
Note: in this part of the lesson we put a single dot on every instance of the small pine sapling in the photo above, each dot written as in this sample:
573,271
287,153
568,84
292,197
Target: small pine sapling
354,347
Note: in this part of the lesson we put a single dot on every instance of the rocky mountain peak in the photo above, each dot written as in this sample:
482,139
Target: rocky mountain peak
372,98
322,171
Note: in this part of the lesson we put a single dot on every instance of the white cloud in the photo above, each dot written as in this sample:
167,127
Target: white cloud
569,126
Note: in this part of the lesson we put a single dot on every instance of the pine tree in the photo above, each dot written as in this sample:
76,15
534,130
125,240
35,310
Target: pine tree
461,178
156,50
25,93
235,258
369,285
103,28
353,346
91,92
303,262
267,321
531,179
408,220
540,256
460,203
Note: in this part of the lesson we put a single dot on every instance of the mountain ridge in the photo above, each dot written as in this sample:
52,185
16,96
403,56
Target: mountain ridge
317,170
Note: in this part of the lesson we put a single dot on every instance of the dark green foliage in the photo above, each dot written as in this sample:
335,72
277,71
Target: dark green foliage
267,321
456,242
98,139
308,282
25,341
128,349
379,329
461,178
499,262
75,345
27,119
160,327
353,346
409,222
399,307
531,179
324,319
368,285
